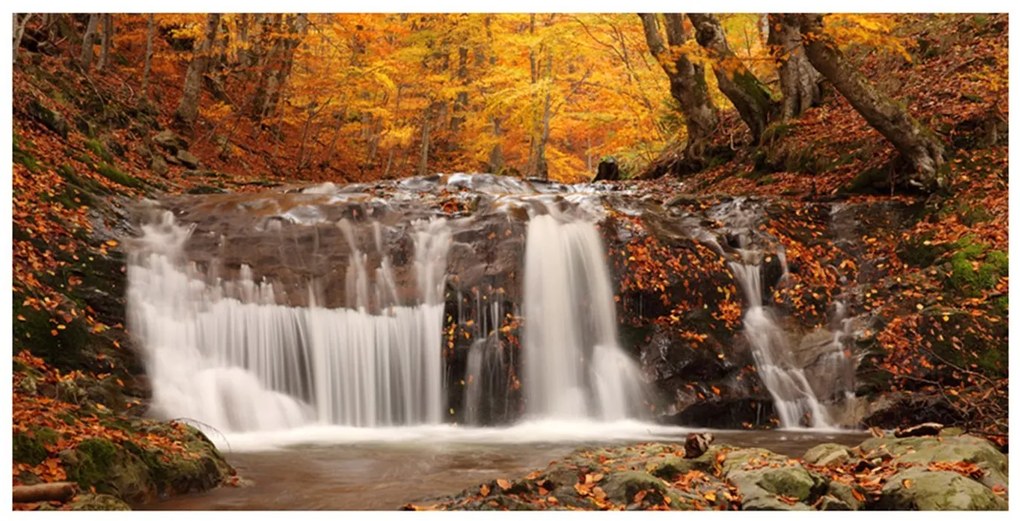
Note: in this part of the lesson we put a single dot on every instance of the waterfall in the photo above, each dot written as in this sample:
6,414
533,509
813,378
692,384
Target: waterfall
573,365
802,374
227,354
772,350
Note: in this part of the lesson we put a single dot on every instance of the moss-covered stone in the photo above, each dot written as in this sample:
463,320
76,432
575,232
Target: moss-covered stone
918,488
112,173
827,454
104,502
97,148
100,463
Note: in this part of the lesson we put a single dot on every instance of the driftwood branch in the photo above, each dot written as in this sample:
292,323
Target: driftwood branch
60,491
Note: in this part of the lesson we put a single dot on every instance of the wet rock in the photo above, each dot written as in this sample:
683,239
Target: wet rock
621,487
918,488
827,454
727,413
844,494
762,476
924,429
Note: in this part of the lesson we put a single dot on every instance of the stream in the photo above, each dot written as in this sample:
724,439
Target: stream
309,470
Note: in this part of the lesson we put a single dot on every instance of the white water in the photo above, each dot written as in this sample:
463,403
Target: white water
225,354
788,384
573,365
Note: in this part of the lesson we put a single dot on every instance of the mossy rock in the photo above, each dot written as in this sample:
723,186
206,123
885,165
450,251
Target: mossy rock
97,502
31,447
113,174
100,463
917,488
968,449
620,487
97,148
761,485
22,151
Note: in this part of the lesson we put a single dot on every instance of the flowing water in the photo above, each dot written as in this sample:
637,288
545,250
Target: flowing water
353,347
387,469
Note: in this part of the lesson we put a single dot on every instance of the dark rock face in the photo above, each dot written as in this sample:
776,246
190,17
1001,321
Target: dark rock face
51,119
733,413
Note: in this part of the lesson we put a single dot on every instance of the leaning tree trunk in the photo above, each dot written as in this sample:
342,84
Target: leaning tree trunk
19,31
687,86
752,100
913,140
798,80
87,52
187,109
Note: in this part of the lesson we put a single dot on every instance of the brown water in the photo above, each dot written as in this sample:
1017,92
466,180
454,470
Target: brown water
384,476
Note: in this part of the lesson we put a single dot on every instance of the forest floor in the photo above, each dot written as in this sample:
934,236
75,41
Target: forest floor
84,148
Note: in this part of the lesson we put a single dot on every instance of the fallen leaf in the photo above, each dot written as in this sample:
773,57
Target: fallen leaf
503,484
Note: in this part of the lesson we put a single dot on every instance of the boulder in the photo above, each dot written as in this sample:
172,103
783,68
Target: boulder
51,119
158,165
187,159
170,141
761,476
918,488
949,449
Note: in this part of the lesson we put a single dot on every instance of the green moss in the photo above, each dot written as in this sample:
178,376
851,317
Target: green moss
28,449
33,330
968,280
94,458
23,155
112,173
99,150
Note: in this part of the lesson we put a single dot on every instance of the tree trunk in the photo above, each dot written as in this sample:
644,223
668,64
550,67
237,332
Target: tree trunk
107,41
88,41
752,100
686,84
19,31
149,32
423,159
496,161
798,80
187,109
915,142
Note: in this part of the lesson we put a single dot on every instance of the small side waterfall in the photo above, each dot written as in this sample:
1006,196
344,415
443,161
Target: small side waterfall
229,355
804,372
772,349
573,365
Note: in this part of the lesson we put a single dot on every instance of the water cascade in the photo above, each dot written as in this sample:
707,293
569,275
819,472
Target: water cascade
228,354
801,373
573,366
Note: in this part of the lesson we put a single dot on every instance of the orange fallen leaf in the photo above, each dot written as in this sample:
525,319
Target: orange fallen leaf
484,490
503,484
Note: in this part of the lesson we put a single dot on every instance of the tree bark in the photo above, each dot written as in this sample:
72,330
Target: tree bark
88,40
496,161
686,85
752,100
60,491
149,32
799,82
423,159
915,142
106,40
187,109
19,31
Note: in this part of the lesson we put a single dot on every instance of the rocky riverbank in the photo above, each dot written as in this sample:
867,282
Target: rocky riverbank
947,471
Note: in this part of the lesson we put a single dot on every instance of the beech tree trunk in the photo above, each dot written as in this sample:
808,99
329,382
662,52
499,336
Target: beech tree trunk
106,40
915,142
799,82
149,32
752,100
19,31
686,84
87,41
187,109
423,158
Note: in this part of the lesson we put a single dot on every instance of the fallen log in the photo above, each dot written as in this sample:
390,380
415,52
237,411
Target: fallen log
60,491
